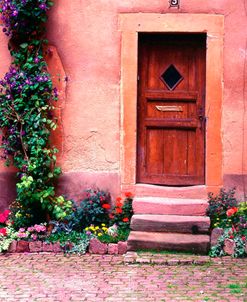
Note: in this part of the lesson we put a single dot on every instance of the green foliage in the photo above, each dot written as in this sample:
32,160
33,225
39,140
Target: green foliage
27,100
122,235
72,241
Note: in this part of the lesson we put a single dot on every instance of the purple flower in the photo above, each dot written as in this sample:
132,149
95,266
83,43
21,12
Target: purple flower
36,60
28,82
15,13
24,168
43,6
55,92
39,79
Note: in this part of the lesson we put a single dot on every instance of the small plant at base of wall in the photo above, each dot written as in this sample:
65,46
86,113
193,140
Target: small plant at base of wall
230,216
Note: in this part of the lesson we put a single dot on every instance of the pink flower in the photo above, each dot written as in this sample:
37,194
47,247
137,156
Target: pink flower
30,229
39,228
34,236
22,230
2,218
22,235
6,213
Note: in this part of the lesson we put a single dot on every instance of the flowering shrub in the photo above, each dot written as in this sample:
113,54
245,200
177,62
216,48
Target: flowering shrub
4,222
93,209
226,213
122,212
26,103
7,235
221,207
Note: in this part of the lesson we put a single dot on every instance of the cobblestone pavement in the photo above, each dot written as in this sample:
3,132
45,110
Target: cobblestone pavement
54,277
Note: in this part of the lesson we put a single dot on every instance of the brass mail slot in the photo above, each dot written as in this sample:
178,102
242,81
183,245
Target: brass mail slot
170,108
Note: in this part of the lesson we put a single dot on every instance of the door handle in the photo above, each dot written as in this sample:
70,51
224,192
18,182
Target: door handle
201,117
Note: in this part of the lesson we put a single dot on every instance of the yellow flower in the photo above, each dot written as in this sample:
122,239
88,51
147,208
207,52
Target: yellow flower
96,228
86,229
103,224
100,234
104,229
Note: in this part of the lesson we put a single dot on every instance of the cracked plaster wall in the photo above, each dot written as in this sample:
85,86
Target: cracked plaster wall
87,38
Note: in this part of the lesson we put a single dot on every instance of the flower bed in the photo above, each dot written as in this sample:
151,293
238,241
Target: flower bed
95,226
229,225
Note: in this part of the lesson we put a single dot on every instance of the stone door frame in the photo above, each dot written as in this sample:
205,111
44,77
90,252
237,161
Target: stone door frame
130,26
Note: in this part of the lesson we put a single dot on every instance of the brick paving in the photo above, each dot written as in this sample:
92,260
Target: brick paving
55,277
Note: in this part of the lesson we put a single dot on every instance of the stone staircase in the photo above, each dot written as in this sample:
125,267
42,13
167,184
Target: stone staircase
169,224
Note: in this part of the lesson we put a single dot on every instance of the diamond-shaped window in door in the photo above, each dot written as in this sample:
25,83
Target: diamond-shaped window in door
171,77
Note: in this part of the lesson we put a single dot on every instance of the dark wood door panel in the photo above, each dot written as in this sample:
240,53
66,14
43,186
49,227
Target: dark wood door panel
171,129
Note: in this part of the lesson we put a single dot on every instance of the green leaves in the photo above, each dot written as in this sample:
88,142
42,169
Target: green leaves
24,45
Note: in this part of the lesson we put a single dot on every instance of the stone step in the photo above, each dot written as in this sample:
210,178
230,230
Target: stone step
170,206
170,223
198,244
188,192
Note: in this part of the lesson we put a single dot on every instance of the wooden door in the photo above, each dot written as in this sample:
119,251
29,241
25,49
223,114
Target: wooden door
171,109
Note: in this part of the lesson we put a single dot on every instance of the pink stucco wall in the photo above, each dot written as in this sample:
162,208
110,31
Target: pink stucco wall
87,37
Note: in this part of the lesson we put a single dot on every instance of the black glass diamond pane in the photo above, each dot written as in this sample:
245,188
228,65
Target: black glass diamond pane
171,77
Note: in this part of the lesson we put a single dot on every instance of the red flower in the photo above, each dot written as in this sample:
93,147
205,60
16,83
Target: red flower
111,216
106,206
231,211
3,231
119,211
231,237
243,238
119,205
118,199
128,194
125,219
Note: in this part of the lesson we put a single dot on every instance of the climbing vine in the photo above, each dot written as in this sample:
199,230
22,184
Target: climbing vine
27,100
